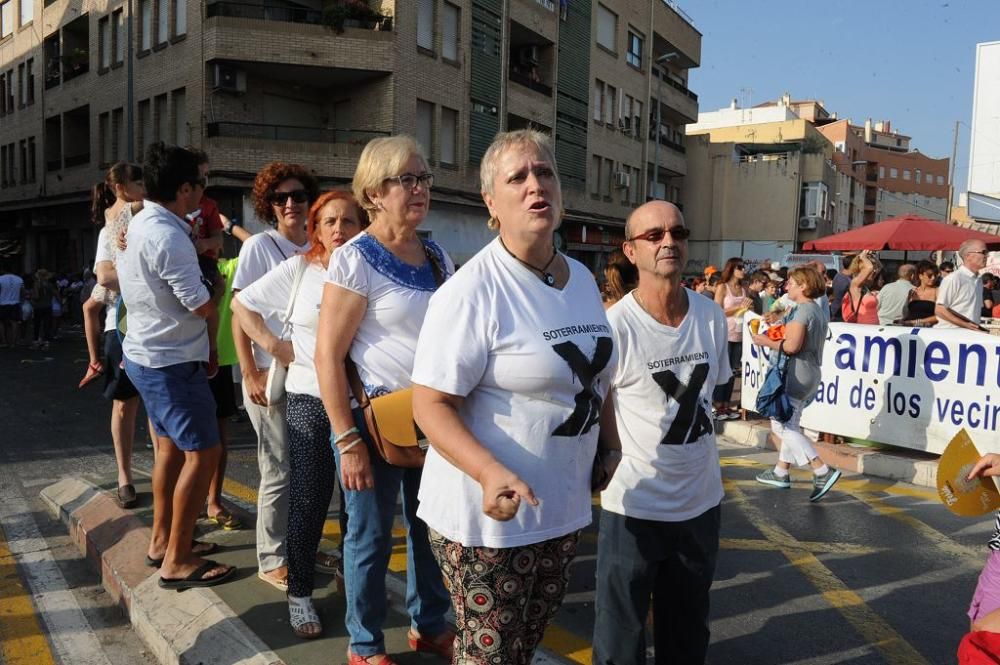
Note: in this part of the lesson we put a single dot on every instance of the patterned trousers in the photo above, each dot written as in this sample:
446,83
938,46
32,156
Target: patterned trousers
503,598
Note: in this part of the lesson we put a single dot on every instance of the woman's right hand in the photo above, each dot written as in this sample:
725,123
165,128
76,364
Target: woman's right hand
356,467
255,382
503,492
988,465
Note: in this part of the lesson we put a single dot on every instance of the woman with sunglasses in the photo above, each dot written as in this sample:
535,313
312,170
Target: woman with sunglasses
734,299
377,290
282,194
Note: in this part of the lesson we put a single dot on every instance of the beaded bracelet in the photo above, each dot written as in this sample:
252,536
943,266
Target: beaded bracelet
350,445
343,435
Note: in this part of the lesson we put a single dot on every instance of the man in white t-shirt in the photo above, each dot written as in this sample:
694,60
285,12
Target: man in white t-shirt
165,350
11,295
960,296
659,528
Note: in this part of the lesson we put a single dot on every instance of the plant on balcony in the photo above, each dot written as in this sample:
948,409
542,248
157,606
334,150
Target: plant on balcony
338,14
75,60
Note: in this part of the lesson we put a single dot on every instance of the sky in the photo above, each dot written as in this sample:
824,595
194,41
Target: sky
911,62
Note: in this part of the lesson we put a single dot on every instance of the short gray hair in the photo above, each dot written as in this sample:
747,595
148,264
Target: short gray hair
507,140
968,246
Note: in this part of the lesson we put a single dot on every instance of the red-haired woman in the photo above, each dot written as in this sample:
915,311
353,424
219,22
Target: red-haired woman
334,219
282,194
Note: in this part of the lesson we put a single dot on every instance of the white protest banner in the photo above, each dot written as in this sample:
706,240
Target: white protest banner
909,387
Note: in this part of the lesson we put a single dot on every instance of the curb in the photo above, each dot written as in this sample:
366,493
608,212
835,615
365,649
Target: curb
908,466
191,628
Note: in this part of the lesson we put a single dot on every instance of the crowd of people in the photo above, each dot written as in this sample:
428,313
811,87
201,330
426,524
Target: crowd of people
532,386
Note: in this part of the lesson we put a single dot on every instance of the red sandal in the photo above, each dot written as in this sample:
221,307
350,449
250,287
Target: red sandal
442,645
94,370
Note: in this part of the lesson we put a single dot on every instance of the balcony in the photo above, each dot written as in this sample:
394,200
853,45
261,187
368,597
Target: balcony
673,30
679,103
286,14
671,157
76,160
248,130
527,82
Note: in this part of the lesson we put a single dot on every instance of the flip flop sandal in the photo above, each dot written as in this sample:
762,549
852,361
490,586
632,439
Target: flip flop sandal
301,613
197,579
206,548
126,496
327,564
226,520
279,583
94,370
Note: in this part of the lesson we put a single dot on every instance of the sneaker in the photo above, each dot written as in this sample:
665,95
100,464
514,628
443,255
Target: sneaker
823,484
769,477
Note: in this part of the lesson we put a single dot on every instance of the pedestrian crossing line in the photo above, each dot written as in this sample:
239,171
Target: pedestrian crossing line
764,545
873,628
22,641
567,644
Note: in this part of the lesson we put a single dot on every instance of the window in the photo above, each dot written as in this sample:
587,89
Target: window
27,16
633,55
20,86
145,25
881,172
637,120
906,174
595,175
29,83
625,115
23,149
917,176
893,172
425,125
814,200
144,133
162,21
607,26
598,100
3,166
180,17
179,99
118,35
449,134
32,165
10,90
3,94
606,169
636,189
929,179
105,150
425,24
104,42
609,103
11,171
161,121
117,133
6,18
451,21
940,180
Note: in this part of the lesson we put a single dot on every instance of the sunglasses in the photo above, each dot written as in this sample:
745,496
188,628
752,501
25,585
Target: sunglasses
409,180
656,235
280,198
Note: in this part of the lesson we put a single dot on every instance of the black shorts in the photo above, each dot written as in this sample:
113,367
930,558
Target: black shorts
10,312
117,385
224,391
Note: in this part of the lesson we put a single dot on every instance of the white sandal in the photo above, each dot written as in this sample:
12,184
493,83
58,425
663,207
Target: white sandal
301,613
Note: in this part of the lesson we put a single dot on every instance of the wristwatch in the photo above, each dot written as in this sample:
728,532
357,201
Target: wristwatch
227,227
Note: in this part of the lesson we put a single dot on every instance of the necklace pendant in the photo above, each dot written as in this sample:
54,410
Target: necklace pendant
550,279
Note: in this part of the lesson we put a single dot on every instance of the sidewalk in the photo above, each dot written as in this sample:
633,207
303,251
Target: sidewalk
246,621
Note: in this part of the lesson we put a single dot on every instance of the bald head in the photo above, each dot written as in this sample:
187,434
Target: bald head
653,210
907,271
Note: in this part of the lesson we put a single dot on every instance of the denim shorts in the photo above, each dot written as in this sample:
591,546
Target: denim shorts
179,403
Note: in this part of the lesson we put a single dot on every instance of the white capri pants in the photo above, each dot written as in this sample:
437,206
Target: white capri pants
796,448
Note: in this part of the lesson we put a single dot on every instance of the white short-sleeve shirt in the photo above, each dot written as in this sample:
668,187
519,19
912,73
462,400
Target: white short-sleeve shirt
663,399
961,291
397,293
258,255
269,295
533,364
161,285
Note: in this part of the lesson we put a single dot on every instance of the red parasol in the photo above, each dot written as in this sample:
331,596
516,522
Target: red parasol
907,232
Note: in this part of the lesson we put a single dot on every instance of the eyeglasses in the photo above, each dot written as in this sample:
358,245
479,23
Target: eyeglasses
656,235
409,181
296,195
979,251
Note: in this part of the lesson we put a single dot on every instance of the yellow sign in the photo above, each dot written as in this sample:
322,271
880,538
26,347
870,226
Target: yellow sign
962,496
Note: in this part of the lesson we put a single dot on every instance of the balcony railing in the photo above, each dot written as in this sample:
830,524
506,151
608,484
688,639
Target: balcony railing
247,130
680,12
683,89
525,80
287,15
673,145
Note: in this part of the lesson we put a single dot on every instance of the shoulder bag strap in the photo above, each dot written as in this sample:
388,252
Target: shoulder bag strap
277,246
354,381
299,272
439,274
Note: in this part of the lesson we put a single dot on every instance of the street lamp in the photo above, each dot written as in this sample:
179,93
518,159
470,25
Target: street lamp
666,57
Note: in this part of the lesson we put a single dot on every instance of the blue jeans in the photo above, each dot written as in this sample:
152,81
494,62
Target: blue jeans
367,546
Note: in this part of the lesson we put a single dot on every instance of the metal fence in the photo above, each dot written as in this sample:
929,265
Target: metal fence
247,130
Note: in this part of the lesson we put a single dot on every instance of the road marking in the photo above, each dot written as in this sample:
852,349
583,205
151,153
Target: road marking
764,545
22,641
71,635
872,627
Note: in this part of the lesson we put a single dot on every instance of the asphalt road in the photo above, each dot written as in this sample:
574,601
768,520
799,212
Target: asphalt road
877,572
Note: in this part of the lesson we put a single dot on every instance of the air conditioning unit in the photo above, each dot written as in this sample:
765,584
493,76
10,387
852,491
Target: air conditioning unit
229,78
621,179
808,223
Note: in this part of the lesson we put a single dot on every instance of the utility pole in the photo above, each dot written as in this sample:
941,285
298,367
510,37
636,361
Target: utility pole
951,173
659,62
129,89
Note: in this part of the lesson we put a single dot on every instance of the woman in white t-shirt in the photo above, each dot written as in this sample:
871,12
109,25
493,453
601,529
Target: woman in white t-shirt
334,219
377,290
513,366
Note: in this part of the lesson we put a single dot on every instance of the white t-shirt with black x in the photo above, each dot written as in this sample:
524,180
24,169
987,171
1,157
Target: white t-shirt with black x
663,398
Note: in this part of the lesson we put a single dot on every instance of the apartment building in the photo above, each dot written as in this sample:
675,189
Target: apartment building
86,83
